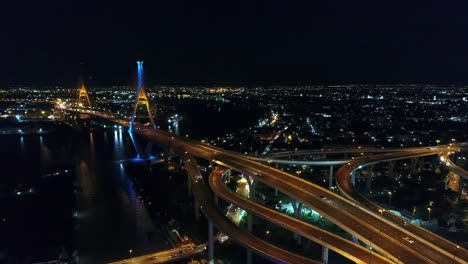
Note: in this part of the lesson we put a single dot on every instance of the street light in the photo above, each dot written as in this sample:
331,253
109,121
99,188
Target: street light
130,252
298,173
381,212
389,199
429,216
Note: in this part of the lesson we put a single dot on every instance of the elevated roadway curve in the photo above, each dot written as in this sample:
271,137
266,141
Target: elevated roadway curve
385,236
420,235
279,157
340,150
348,249
209,209
445,158
366,225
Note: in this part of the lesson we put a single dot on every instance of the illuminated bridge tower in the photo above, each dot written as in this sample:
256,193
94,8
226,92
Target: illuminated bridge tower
141,98
83,97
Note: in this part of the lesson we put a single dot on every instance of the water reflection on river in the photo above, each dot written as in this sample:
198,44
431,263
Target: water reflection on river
114,220
103,221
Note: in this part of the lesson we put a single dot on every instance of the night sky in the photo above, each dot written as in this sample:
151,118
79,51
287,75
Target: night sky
234,42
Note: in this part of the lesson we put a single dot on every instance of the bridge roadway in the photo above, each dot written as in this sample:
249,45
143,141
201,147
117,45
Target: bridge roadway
171,255
340,150
366,225
417,234
205,199
347,248
445,158
276,157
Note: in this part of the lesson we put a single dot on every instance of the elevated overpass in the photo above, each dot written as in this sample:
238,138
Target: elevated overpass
166,256
419,235
336,243
367,225
447,161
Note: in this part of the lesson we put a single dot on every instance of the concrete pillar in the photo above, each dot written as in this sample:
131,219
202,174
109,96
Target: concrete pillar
298,215
210,242
324,255
249,256
460,186
391,166
414,162
353,177
249,222
276,165
228,176
197,210
420,163
252,196
276,192
370,173
189,185
249,229
330,178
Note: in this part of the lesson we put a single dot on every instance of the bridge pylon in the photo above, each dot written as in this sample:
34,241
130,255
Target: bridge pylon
83,97
141,98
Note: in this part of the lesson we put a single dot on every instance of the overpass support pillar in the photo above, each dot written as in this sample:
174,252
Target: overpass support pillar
414,162
228,175
249,222
324,255
197,210
353,177
330,178
460,186
297,206
420,163
189,185
249,256
391,167
249,228
210,242
370,173
252,190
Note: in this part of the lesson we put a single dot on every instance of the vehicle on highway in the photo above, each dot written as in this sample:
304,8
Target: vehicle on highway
409,240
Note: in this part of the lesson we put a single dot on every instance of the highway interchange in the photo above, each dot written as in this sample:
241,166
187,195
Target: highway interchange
360,218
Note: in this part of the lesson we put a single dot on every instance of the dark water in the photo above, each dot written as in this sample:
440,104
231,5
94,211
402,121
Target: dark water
81,199
203,119
68,191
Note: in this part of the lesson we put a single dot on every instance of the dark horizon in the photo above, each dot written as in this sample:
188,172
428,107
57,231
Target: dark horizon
239,44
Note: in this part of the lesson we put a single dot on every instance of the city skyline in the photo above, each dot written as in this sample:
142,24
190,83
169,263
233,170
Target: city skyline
315,143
